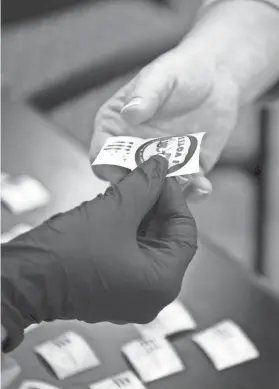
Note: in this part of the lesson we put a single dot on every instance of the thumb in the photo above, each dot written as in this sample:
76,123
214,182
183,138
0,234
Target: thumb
137,192
176,221
148,92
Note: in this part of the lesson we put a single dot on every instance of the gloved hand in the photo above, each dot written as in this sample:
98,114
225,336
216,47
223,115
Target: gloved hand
183,91
120,257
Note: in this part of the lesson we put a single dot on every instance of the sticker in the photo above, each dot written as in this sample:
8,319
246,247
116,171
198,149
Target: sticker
68,355
182,152
24,194
153,359
126,380
226,345
172,319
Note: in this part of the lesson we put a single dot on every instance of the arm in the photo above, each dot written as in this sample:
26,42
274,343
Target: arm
31,284
243,36
91,264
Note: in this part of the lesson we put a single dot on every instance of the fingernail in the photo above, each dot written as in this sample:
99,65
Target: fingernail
182,180
202,192
133,103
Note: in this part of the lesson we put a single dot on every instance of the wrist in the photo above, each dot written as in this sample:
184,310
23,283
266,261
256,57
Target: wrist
241,37
30,274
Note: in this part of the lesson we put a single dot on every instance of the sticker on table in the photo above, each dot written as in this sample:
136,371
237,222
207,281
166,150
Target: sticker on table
4,177
14,232
36,385
32,327
182,152
153,359
226,345
23,194
68,355
126,380
173,319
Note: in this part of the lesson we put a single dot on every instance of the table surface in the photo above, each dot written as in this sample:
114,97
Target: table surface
215,286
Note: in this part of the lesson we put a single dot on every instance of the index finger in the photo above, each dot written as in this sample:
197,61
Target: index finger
174,216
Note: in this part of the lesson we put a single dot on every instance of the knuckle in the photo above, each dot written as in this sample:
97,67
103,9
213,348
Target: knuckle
145,318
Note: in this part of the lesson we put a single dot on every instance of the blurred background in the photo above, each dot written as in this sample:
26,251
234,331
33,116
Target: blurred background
67,57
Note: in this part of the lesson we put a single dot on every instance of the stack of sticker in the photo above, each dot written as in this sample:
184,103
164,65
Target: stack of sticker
152,356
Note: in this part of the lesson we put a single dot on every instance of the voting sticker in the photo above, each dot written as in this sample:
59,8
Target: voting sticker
68,355
182,152
24,194
126,380
173,319
153,359
14,232
36,385
119,151
226,345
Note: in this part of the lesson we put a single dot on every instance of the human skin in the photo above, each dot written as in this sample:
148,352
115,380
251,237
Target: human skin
229,58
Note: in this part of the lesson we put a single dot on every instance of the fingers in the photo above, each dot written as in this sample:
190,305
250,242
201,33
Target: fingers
175,218
112,174
171,245
151,88
197,188
136,193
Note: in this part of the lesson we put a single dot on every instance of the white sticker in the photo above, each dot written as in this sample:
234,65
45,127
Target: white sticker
153,359
36,385
226,345
14,232
4,177
172,319
32,327
68,355
126,380
24,194
182,152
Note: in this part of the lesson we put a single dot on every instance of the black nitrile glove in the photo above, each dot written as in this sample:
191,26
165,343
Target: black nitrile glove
120,257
